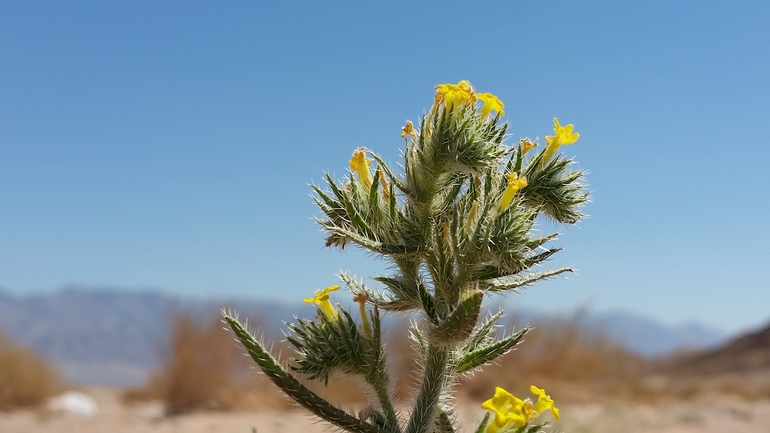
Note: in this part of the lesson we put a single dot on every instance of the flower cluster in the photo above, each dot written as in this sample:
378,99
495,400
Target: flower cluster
462,93
511,411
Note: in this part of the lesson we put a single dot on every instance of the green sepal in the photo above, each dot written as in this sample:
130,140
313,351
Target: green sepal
483,425
329,205
327,345
394,180
374,194
357,220
335,189
460,323
519,158
536,428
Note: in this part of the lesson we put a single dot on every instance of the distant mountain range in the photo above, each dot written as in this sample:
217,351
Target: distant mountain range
745,354
114,337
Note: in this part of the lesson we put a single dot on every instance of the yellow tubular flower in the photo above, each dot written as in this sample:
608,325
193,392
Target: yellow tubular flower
384,182
544,402
361,299
515,183
467,90
322,299
563,137
460,93
447,237
490,102
471,216
360,163
508,410
408,129
526,145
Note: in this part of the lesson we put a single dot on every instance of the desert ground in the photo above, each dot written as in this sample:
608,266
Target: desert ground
703,415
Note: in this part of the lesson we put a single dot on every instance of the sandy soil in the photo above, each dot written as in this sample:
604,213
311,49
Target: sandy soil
703,416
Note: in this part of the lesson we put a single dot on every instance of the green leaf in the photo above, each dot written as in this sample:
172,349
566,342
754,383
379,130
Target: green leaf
293,388
481,333
428,304
404,289
488,353
515,281
372,245
460,323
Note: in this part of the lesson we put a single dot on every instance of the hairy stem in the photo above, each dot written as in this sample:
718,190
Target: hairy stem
380,385
430,390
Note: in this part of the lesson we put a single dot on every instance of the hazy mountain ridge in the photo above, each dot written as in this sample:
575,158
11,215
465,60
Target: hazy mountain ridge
747,353
115,337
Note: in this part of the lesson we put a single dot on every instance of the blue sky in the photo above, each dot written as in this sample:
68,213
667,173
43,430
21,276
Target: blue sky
171,145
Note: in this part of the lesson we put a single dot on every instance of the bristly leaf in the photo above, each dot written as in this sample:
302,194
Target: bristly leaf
515,281
381,300
428,304
293,388
371,244
481,333
488,353
403,288
460,323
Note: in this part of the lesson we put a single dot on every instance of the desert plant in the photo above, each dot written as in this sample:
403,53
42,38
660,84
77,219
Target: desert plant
456,224
26,378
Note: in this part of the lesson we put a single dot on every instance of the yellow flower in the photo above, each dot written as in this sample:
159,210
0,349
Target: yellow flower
460,93
322,299
360,163
465,86
471,216
362,298
509,410
384,182
563,137
447,237
515,183
490,102
408,129
544,402
526,145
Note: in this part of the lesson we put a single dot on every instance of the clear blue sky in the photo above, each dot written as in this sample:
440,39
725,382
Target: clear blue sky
171,145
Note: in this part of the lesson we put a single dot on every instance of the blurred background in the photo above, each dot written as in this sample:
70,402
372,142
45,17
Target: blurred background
155,163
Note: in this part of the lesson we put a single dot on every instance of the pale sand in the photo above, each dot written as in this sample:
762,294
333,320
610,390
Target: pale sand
706,415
